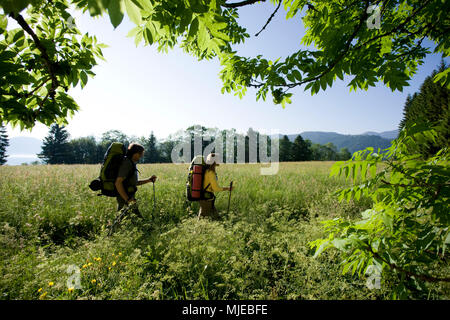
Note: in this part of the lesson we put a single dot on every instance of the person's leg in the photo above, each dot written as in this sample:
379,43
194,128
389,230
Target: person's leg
205,209
120,203
136,211
214,212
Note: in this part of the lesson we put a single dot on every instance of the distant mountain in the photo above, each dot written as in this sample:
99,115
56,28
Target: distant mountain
23,150
391,135
352,142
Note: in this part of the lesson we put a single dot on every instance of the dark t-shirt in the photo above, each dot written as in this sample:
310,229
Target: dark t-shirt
125,171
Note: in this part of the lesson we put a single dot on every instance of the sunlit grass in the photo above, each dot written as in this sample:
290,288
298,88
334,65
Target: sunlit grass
51,220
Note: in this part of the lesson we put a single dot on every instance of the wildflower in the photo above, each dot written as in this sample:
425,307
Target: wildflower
120,253
89,264
50,284
84,266
43,295
94,281
70,290
109,268
40,289
114,263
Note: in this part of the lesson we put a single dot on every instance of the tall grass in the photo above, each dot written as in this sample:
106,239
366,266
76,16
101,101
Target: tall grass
50,219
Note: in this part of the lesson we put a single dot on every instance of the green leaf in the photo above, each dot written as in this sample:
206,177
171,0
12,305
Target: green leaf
186,18
297,75
15,6
133,32
133,12
193,28
325,244
388,220
3,23
203,37
340,244
148,36
138,37
116,12
83,78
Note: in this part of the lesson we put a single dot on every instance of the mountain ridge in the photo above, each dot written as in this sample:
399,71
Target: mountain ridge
352,142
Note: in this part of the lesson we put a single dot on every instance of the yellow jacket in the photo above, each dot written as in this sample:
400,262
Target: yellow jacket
210,178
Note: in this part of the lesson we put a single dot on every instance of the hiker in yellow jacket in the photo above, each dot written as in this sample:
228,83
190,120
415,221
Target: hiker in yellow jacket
210,185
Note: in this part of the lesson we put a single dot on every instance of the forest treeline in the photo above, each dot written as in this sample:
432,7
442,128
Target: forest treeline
59,149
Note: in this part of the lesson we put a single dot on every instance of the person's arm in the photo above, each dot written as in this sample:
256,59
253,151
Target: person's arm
211,180
121,189
152,179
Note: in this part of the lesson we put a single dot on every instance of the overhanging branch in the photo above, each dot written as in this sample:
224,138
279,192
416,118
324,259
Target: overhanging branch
270,18
241,4
48,62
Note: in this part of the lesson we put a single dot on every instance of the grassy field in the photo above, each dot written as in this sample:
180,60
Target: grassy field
50,221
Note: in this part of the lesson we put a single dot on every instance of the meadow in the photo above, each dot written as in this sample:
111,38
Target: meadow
53,229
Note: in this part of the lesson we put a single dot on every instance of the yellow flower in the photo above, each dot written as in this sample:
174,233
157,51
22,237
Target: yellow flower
94,281
70,290
114,263
120,253
50,283
40,289
43,295
84,266
89,264
109,268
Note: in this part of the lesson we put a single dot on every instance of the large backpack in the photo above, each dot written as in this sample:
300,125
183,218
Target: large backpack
194,183
112,160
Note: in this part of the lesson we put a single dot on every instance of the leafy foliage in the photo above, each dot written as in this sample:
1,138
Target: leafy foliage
40,62
406,232
48,55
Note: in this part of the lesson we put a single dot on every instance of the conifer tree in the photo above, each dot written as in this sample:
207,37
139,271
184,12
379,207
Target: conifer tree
4,143
56,148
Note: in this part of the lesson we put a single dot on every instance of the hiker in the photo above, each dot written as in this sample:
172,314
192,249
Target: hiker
210,185
134,153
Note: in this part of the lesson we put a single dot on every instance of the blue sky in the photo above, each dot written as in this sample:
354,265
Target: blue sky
139,90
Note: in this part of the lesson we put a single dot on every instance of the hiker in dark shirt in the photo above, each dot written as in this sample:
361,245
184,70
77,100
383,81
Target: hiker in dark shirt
128,187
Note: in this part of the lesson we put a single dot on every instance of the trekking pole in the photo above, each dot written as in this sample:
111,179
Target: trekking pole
118,219
154,198
229,197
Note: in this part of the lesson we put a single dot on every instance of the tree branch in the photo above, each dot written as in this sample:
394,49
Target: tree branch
345,50
415,185
270,18
408,273
50,64
241,4
397,28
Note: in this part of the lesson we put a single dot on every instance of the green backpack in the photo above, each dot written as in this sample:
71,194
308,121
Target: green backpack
114,157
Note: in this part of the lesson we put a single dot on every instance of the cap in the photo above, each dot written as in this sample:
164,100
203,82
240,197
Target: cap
211,158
